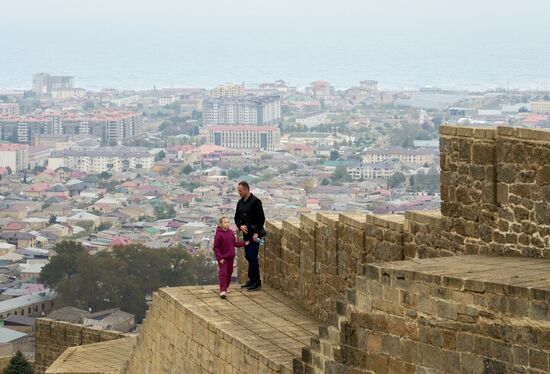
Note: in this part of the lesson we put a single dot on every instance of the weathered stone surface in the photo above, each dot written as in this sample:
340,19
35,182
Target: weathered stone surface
54,337
109,357
191,330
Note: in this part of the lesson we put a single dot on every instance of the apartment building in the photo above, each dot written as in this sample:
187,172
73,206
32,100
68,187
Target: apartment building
110,127
108,159
245,137
9,109
238,110
44,83
407,156
14,156
540,107
384,169
228,90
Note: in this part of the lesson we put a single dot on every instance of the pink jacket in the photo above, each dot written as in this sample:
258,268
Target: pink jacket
225,243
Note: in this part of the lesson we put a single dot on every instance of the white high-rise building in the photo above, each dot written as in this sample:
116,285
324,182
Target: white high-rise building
242,110
14,156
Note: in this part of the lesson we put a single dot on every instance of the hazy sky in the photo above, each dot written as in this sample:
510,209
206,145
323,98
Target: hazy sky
506,16
60,30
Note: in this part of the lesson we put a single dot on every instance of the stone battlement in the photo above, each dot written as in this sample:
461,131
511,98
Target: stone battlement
461,290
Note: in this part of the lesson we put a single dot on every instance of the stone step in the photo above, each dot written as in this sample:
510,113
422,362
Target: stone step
192,330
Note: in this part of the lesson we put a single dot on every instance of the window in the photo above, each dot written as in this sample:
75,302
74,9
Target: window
42,306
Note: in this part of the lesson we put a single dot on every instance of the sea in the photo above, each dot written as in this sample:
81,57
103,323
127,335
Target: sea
101,59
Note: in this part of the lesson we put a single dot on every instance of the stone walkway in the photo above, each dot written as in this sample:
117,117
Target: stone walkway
479,273
265,321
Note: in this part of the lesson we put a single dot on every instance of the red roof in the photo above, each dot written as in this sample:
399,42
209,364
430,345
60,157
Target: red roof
12,147
16,226
38,187
120,241
209,149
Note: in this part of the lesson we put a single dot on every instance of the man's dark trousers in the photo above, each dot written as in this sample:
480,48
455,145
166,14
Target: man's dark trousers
251,252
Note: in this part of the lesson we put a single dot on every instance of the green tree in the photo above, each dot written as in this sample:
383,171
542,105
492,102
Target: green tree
324,182
233,174
187,169
53,219
204,269
64,265
165,124
164,210
396,180
160,156
19,365
105,175
341,174
124,277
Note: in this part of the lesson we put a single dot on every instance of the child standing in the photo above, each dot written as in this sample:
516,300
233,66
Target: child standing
224,249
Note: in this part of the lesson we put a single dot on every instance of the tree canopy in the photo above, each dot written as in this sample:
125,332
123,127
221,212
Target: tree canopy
122,278
18,365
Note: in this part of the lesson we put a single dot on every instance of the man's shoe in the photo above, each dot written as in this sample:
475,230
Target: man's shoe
254,287
222,294
247,284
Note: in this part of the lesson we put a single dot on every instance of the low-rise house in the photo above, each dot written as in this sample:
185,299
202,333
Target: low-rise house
80,217
59,210
68,314
36,304
19,239
22,324
116,320
6,248
57,190
14,212
105,204
18,340
17,226
30,272
36,190
58,230
36,223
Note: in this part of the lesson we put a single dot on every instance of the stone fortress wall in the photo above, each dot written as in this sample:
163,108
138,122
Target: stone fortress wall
477,314
461,290
54,337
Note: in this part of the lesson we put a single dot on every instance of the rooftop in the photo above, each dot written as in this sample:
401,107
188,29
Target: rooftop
9,335
23,301
12,147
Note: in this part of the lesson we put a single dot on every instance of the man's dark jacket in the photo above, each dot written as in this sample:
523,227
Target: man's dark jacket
251,214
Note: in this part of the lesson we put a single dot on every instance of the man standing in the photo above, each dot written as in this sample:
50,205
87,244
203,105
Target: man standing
250,219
